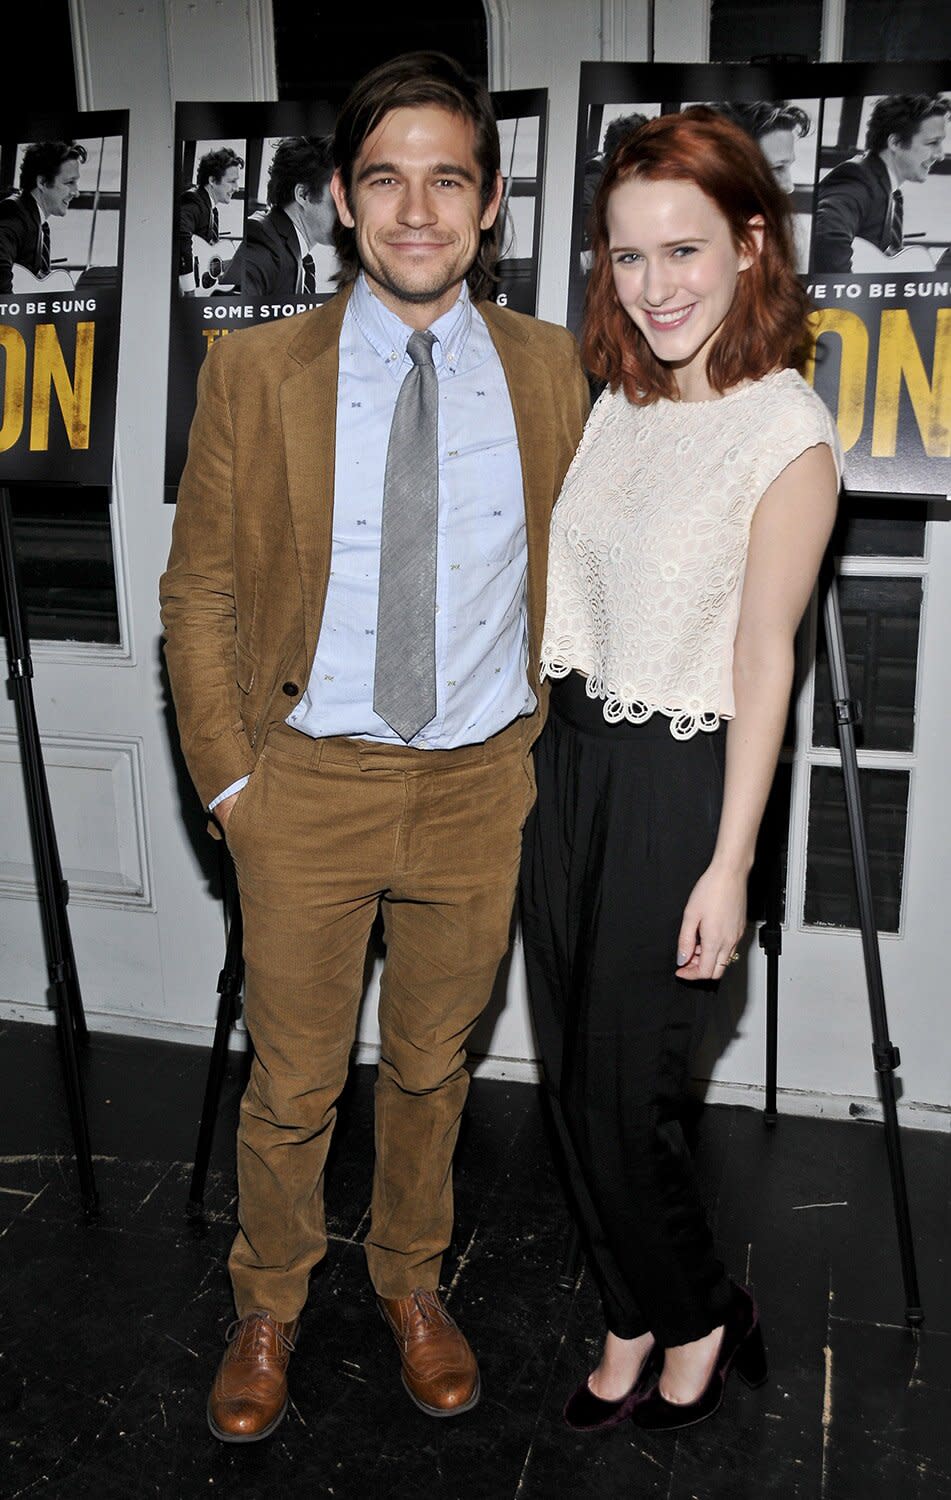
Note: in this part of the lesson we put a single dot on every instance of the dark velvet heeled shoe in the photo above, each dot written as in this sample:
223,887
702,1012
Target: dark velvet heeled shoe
586,1412
741,1349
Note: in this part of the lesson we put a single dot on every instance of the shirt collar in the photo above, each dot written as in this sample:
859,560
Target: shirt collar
388,335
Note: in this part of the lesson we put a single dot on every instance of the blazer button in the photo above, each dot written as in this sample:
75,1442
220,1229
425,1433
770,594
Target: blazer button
291,689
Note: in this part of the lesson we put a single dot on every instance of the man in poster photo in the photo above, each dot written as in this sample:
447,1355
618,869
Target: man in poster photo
48,183
862,200
353,607
618,130
217,179
775,125
276,258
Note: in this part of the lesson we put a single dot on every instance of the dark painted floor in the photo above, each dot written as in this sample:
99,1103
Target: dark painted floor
111,1331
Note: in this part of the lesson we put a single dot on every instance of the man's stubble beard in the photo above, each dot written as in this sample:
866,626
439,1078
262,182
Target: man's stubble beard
415,297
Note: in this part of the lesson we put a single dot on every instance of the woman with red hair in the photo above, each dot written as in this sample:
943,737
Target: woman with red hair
684,548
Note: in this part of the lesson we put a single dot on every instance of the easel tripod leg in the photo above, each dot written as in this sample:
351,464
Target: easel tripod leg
771,942
230,981
885,1056
52,891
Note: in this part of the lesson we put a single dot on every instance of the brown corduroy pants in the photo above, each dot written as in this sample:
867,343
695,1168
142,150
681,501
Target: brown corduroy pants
324,833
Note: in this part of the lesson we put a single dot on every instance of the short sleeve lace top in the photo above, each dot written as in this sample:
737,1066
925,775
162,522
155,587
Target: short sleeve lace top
649,541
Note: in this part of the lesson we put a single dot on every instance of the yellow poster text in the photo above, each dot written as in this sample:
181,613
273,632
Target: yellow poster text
25,388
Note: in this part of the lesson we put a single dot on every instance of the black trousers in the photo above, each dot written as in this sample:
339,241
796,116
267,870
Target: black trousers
625,823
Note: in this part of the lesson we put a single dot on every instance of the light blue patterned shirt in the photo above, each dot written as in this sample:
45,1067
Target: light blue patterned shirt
481,558
481,554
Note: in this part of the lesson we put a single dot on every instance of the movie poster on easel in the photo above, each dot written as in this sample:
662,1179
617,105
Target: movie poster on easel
252,238
251,235
860,148
62,202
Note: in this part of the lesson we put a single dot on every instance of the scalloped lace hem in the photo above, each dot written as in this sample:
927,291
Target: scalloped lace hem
684,723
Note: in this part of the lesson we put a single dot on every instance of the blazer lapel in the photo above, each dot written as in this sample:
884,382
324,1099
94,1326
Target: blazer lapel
530,390
308,402
879,171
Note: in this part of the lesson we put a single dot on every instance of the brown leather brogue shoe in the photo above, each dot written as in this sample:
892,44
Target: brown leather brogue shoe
439,1369
249,1396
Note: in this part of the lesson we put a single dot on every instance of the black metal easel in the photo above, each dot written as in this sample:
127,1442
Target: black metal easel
230,981
885,1055
52,888
770,938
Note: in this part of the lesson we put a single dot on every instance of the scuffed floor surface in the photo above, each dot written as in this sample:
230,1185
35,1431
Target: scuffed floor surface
111,1331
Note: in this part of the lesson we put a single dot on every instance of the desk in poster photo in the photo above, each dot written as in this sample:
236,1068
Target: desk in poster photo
861,151
62,195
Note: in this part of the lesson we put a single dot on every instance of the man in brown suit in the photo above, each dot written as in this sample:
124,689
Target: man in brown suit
281,552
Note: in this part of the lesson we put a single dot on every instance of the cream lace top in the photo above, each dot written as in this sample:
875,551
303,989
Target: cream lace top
649,540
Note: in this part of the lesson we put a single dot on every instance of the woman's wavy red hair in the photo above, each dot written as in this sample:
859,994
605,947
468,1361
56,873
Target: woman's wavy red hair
766,327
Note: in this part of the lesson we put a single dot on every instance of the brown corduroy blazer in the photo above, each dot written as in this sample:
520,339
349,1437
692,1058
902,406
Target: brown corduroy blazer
243,594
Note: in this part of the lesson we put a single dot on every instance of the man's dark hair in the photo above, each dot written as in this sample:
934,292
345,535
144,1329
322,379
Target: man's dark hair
759,117
307,159
624,125
214,165
43,160
419,78
901,115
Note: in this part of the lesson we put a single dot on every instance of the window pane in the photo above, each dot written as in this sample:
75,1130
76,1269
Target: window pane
830,883
64,553
895,31
887,528
40,32
880,623
743,29
323,50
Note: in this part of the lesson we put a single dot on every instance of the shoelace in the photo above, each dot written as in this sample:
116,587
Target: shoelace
429,1308
256,1342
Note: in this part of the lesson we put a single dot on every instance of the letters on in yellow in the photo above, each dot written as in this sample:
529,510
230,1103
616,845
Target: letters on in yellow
900,358
74,396
853,369
13,345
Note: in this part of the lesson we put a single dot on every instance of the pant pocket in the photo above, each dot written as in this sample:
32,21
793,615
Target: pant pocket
243,807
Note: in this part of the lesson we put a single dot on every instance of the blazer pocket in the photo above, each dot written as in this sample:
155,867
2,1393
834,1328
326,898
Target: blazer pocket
245,667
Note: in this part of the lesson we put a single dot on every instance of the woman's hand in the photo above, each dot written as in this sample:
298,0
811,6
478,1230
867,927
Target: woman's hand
714,922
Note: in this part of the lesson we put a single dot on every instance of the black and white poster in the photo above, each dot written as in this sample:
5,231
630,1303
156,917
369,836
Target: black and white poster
62,197
861,150
252,238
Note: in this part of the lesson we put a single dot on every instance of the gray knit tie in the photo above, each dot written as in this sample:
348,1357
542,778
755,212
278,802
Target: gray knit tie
404,682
